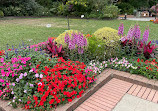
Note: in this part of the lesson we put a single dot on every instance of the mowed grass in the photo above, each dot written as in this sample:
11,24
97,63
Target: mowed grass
33,30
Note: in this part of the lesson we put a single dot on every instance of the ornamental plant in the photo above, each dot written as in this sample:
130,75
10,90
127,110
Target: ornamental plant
134,46
109,38
60,84
147,68
52,49
60,39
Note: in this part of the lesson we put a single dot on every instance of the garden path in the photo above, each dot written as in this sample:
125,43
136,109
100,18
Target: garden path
118,95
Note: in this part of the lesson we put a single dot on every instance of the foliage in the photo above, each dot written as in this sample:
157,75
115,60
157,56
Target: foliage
134,46
109,40
125,8
76,7
1,14
61,38
25,8
52,49
111,11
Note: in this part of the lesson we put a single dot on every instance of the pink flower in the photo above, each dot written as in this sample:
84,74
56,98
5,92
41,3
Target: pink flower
37,75
2,60
13,84
1,80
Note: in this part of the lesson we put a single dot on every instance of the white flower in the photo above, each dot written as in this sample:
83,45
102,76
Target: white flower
48,25
99,45
82,16
112,41
97,10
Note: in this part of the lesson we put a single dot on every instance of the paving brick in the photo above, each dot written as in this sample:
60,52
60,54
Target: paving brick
132,89
136,91
112,92
98,106
141,92
102,102
89,107
151,95
105,100
147,92
133,76
107,95
155,99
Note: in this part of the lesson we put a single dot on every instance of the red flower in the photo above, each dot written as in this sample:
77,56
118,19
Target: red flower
63,99
69,100
51,101
138,60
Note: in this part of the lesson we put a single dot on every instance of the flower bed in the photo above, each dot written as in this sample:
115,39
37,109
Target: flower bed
45,75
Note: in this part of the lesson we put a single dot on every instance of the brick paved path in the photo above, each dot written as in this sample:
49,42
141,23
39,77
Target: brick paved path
107,97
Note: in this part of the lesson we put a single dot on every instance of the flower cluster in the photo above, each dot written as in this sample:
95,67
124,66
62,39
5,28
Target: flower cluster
133,44
60,84
148,68
121,30
9,71
76,40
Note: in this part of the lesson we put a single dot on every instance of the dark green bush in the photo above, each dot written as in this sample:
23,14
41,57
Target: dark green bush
125,8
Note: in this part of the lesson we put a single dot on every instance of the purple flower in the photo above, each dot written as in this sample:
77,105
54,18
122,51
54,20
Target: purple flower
121,30
41,75
39,83
25,91
20,100
67,38
80,50
31,85
17,79
130,34
137,32
21,76
71,45
13,84
25,74
37,75
145,35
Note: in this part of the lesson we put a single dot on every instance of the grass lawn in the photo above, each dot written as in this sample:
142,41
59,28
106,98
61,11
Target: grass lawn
33,30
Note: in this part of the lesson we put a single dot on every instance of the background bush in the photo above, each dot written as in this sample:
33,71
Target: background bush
125,8
1,14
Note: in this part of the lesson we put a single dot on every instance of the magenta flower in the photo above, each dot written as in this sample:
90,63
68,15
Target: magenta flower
121,30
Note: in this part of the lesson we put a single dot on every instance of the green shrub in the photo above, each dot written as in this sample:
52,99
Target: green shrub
125,8
54,8
1,14
111,11
108,39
